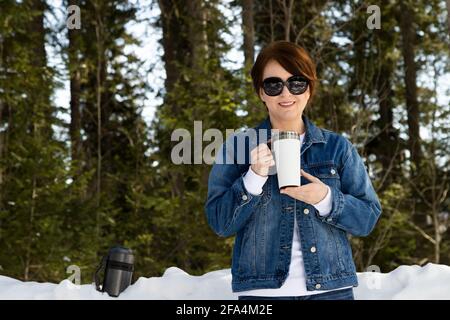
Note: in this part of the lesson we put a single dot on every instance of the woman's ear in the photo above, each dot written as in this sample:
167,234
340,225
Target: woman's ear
261,95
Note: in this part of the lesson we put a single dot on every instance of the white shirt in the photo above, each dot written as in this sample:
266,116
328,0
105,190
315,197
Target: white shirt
295,284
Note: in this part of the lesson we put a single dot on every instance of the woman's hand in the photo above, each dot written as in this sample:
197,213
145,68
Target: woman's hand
311,193
261,160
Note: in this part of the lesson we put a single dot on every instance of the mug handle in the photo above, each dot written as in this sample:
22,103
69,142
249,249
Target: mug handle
97,273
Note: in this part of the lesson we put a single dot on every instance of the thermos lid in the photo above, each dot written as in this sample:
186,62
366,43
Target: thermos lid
122,254
280,135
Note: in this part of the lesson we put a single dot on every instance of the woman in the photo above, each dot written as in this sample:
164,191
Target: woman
291,244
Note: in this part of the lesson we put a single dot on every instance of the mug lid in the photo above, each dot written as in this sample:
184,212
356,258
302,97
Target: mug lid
279,135
119,253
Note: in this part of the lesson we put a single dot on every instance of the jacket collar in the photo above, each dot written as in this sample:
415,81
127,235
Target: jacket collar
313,133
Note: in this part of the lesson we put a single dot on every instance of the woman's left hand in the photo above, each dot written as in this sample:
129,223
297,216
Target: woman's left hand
311,193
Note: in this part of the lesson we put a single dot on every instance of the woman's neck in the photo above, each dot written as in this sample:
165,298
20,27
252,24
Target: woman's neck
296,126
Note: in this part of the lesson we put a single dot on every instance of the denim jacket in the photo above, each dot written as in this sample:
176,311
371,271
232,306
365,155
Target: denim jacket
263,224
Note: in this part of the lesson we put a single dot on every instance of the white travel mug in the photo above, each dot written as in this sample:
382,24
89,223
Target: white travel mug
286,149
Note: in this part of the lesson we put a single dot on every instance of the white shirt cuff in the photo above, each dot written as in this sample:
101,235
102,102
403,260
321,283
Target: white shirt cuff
324,207
253,182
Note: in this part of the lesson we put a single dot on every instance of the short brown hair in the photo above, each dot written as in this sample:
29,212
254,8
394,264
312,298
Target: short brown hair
292,57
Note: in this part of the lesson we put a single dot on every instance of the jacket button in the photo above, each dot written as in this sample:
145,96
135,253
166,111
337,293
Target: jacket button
313,249
318,286
306,211
244,197
330,219
333,171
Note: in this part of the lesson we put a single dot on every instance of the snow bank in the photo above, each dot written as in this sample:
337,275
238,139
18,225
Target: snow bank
406,282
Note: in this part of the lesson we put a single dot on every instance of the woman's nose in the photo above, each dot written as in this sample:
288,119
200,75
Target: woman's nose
285,92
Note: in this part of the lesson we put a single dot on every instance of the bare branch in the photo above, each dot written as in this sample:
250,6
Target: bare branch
422,232
310,22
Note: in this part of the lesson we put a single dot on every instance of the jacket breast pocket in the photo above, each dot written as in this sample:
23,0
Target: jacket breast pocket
326,171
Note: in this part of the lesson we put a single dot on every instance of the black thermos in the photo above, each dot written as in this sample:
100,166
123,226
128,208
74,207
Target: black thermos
118,265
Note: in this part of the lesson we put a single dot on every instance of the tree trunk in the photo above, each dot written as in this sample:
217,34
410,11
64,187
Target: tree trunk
287,9
2,147
437,234
387,145
2,143
178,39
172,39
408,42
249,33
39,101
272,22
75,112
436,194
30,231
2,125
248,26
100,74
448,15
197,36
39,95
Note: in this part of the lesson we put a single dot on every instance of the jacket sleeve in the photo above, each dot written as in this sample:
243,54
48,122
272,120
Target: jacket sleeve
229,205
355,208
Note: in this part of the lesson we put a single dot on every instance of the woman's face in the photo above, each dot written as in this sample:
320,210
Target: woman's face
286,106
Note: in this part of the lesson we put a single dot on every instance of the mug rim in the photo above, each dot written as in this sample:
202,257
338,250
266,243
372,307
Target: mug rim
281,135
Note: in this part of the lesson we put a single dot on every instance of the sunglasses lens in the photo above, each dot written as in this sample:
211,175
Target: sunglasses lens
297,85
273,86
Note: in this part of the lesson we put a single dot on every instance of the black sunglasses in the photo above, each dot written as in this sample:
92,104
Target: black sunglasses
273,86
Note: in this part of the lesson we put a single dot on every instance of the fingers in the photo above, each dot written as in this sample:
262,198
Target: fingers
310,177
261,153
267,159
311,193
261,159
293,192
261,149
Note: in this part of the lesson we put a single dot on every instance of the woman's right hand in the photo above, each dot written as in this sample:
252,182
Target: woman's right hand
261,160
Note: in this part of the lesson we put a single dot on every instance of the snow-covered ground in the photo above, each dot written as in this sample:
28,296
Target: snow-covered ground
406,282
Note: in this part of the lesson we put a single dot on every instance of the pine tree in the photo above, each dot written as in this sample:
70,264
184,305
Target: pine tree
33,163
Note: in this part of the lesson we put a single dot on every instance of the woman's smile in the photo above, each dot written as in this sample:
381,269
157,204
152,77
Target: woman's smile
286,104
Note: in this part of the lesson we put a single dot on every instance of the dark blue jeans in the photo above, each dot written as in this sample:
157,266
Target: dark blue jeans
344,294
